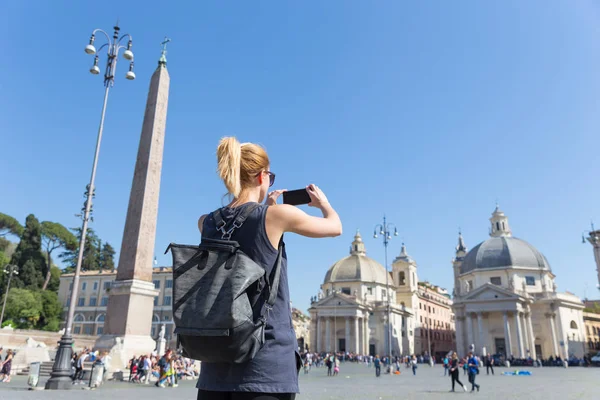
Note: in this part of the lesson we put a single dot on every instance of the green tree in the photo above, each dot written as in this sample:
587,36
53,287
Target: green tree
54,283
55,236
3,260
107,257
4,243
10,225
51,310
23,307
91,252
28,256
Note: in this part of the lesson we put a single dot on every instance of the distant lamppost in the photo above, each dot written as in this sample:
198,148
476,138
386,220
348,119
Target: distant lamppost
594,239
384,230
10,271
61,370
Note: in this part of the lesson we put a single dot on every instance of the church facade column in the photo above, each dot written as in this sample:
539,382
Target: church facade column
318,335
550,318
469,331
507,341
347,336
519,335
533,352
481,341
460,340
526,345
328,334
356,347
367,333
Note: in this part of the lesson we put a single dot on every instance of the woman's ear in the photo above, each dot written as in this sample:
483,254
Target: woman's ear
260,179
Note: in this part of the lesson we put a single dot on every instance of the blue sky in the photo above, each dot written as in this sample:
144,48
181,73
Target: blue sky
428,112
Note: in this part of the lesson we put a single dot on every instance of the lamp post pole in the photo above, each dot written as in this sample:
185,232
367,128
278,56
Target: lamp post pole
594,239
384,230
61,370
10,272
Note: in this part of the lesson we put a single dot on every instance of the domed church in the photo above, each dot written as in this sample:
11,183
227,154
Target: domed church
506,302
350,312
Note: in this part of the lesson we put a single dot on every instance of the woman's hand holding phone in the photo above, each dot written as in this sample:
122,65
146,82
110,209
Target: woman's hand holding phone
273,196
317,197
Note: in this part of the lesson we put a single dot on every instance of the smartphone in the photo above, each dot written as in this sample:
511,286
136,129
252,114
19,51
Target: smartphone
296,197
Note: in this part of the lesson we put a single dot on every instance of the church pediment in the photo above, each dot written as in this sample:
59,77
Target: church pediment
490,292
336,301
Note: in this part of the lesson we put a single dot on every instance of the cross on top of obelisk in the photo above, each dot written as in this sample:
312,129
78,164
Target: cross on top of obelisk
163,55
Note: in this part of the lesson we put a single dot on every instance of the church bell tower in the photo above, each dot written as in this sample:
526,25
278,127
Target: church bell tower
405,272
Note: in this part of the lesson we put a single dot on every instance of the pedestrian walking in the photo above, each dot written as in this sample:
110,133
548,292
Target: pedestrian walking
414,365
246,171
336,367
377,364
489,364
5,367
473,371
455,371
329,363
445,361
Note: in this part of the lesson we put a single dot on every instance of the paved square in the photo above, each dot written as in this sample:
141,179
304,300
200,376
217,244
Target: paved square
359,382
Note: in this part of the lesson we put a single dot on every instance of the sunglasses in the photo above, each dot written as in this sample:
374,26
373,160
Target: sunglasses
271,178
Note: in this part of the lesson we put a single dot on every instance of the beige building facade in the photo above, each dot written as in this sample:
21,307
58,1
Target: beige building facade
92,301
592,333
431,306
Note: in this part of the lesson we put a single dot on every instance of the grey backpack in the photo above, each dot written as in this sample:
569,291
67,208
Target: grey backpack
216,290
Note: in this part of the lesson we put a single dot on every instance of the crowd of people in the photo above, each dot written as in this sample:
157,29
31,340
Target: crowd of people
452,364
166,370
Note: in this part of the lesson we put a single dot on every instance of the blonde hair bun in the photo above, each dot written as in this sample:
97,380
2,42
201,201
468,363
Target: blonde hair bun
239,164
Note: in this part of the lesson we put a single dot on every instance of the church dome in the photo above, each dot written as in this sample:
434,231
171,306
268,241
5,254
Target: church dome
503,250
356,267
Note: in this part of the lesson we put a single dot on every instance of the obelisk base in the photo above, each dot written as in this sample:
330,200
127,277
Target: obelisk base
128,323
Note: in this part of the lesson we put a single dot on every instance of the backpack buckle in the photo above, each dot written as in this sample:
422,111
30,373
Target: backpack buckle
227,234
268,308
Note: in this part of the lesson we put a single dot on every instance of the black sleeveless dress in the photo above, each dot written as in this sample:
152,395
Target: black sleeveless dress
275,367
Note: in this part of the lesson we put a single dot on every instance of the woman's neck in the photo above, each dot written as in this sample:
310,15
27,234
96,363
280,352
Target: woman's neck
247,196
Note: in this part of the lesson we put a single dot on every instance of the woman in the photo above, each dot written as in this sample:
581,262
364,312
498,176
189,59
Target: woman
273,373
5,366
454,372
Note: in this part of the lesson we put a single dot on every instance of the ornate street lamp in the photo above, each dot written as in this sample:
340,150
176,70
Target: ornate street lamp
61,370
10,270
594,239
385,231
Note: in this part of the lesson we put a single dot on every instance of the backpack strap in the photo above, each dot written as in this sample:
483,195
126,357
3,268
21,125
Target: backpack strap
274,284
237,222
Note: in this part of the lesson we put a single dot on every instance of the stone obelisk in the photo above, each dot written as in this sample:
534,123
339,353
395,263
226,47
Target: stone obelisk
131,298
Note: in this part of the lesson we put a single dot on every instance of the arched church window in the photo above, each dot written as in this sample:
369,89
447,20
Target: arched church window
79,318
101,318
497,226
401,278
573,325
503,226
